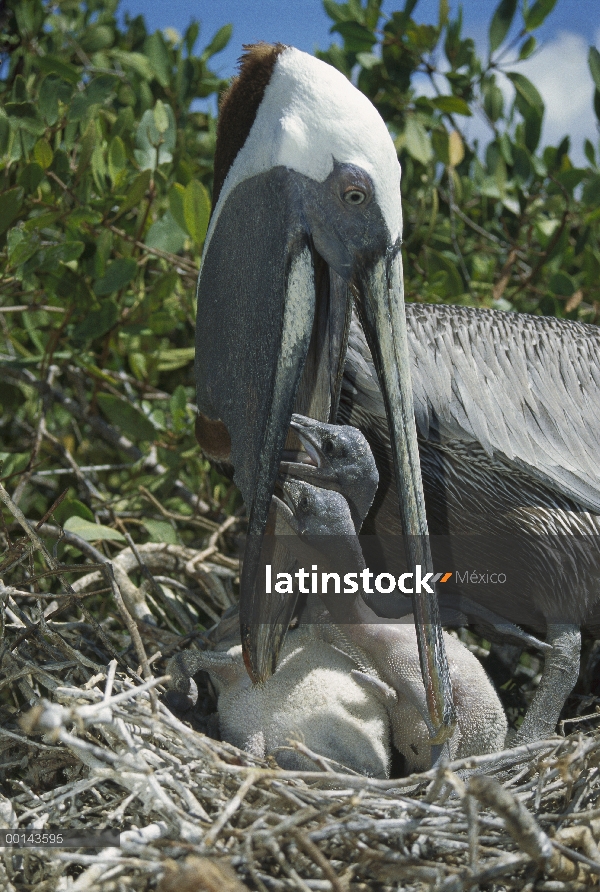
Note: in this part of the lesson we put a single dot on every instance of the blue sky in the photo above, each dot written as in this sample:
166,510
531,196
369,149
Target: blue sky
559,69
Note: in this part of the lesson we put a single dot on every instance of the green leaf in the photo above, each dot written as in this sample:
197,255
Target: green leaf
4,134
441,145
20,93
535,16
456,148
97,37
164,286
337,12
176,193
368,60
30,177
37,337
52,65
25,113
136,192
104,246
191,35
161,531
161,119
178,407
530,104
96,323
92,532
41,221
522,169
417,141
99,167
501,22
163,322
96,93
545,229
594,63
117,159
72,508
138,364
533,129
136,61
21,246
441,263
526,91
158,54
73,288
153,147
562,284
591,191
82,216
511,204
13,462
493,100
53,90
88,144
166,235
219,41
100,88
128,418
118,274
196,210
357,38
571,178
443,13
49,256
527,48
590,153
452,105
177,358
43,154
10,205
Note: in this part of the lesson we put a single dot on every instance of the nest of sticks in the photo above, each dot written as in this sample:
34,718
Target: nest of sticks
87,742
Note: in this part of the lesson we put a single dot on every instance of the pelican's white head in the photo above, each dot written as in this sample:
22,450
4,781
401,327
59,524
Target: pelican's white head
310,117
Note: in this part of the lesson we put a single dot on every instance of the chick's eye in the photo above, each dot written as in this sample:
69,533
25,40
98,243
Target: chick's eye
353,195
328,447
303,504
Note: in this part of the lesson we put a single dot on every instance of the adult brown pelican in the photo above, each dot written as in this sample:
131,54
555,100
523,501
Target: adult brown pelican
507,410
306,210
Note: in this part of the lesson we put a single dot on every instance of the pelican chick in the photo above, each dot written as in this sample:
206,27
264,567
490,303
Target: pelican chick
312,697
389,649
340,458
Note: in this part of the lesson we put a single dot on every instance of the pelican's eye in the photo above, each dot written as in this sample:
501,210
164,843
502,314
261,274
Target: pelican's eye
328,447
303,503
353,195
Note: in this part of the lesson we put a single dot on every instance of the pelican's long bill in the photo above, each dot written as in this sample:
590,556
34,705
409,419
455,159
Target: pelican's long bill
307,196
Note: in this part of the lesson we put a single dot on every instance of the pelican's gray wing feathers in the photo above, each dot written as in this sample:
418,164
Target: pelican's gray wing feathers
526,388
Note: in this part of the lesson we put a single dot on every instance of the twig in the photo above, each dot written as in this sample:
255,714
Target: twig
317,856
133,630
24,308
229,810
204,522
